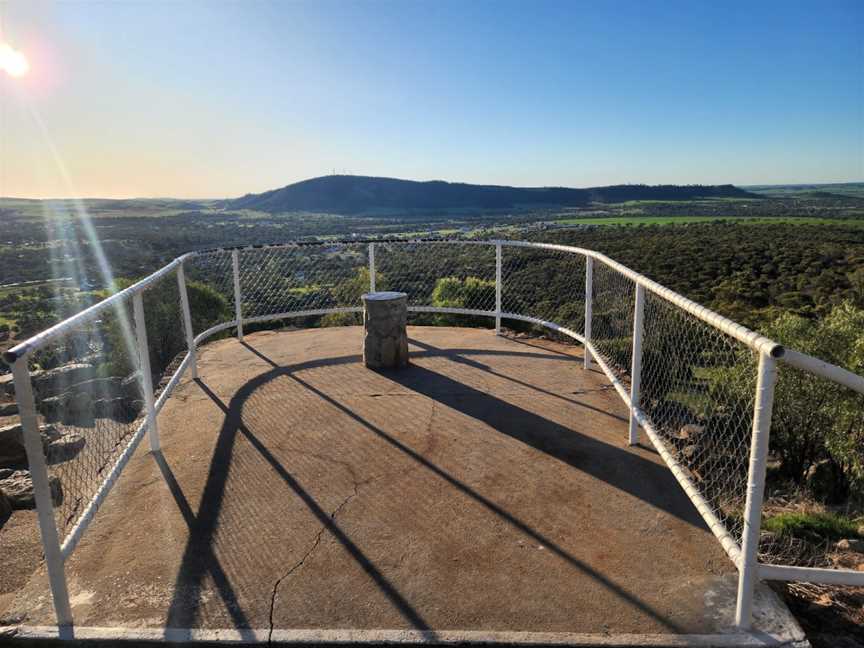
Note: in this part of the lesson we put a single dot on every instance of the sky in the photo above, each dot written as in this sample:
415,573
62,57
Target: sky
218,99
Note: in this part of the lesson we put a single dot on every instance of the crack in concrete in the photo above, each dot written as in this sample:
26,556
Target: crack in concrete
309,552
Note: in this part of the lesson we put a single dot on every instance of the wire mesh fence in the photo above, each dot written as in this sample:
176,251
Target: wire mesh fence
166,338
817,455
545,284
439,274
89,404
697,382
612,318
276,280
697,389
212,272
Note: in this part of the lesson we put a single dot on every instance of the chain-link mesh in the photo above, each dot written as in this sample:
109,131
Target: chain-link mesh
213,273
87,389
697,388
612,318
442,274
275,280
817,452
545,284
697,383
166,337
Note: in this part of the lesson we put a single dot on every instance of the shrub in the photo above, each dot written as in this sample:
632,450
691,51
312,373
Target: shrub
470,292
813,527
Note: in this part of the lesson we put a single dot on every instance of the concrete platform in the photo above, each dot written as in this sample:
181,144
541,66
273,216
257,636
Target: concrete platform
486,489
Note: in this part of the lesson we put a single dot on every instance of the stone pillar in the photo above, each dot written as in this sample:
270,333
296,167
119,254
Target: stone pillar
385,341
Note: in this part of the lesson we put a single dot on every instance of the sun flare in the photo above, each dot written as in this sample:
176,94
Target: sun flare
13,62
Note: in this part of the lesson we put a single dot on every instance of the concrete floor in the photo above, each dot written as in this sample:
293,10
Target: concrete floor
487,487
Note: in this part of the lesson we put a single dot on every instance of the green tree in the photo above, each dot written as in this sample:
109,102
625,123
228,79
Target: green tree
471,293
815,419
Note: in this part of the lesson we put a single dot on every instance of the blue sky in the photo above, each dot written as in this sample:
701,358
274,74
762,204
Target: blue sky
212,99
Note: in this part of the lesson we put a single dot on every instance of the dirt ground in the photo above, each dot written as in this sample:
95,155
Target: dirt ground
487,487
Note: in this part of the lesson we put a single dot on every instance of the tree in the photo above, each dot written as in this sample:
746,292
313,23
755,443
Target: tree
814,419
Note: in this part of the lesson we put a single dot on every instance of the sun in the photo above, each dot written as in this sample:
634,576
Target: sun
13,62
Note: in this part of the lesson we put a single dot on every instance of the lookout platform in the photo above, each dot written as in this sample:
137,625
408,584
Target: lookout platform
487,488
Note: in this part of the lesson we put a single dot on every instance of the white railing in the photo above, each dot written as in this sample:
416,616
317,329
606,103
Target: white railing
661,352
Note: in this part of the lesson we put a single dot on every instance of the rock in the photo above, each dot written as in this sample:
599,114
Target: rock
70,406
12,450
54,381
65,448
7,384
691,432
5,506
385,343
690,452
850,544
8,409
822,481
18,489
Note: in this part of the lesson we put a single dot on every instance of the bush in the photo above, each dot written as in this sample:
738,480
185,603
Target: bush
166,336
813,527
814,419
470,292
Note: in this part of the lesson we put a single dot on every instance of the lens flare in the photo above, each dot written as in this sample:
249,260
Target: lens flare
13,62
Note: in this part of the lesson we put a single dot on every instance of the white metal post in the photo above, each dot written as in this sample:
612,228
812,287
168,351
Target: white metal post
589,305
146,376
371,267
187,320
238,296
42,492
636,365
498,288
749,568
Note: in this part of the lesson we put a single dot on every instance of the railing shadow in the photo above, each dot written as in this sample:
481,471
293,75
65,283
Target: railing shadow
236,404
198,557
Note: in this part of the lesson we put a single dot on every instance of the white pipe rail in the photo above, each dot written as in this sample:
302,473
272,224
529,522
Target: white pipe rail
589,305
749,567
145,373
743,556
238,296
42,492
636,362
187,319
499,285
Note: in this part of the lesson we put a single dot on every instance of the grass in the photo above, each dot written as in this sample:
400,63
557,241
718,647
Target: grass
672,220
815,527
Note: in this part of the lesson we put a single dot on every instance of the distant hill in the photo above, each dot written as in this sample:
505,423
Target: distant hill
343,194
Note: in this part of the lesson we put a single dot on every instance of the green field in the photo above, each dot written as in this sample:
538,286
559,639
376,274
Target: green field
673,220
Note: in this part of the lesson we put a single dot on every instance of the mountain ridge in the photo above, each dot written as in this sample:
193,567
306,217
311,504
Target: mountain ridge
351,194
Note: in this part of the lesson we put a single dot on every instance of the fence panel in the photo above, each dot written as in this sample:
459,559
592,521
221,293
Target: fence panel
544,284
276,280
87,391
440,274
817,428
210,285
612,319
697,390
166,337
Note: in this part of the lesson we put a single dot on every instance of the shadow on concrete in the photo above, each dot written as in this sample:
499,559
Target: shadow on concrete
462,356
198,558
413,377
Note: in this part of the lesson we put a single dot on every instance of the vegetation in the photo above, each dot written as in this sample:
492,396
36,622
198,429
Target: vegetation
813,527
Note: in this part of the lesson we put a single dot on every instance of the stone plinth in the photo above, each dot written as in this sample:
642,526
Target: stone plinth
385,340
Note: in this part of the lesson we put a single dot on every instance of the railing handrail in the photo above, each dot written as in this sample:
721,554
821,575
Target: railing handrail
744,555
752,339
41,339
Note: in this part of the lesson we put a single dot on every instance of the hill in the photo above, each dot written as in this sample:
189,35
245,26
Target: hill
352,194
